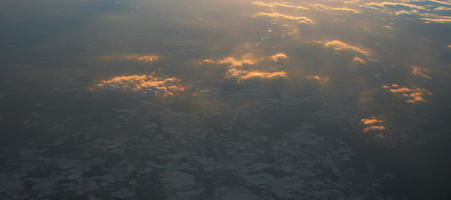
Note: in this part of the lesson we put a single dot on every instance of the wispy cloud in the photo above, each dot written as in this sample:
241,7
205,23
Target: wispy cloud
319,79
240,74
359,60
278,4
342,46
387,3
276,15
324,7
419,71
135,57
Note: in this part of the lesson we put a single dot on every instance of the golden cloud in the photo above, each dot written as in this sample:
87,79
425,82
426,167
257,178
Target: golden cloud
439,19
324,7
372,124
300,20
418,71
322,80
342,46
278,4
412,95
358,60
278,56
244,74
247,59
441,8
386,3
135,57
406,12
144,83
441,2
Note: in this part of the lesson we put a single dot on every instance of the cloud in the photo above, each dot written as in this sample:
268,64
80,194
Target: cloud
412,95
359,60
372,124
245,74
418,71
439,19
143,83
135,57
406,12
441,8
279,56
321,80
386,3
324,7
423,12
278,4
246,59
441,2
276,15
235,64
342,46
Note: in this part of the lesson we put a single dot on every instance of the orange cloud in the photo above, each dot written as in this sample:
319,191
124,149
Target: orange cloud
342,46
278,4
372,124
324,7
386,3
371,121
441,2
359,60
374,128
440,19
247,59
322,80
441,8
244,74
300,20
406,12
136,57
278,56
145,83
418,71
412,95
